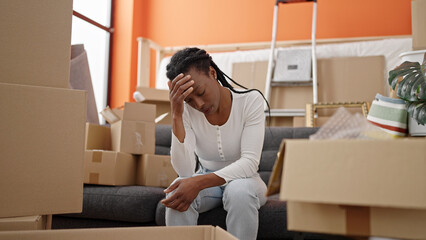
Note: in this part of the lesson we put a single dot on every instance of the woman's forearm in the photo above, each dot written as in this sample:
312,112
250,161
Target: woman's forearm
178,128
208,180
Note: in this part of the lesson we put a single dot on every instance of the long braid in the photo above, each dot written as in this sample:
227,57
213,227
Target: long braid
184,59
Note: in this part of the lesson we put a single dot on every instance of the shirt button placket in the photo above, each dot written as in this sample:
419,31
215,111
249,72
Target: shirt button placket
219,144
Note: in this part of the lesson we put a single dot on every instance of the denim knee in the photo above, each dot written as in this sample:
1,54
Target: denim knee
239,196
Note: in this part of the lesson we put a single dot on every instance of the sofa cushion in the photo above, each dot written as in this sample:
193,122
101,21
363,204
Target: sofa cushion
272,142
163,139
120,203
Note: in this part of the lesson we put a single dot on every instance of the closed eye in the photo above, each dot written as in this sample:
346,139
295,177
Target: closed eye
202,93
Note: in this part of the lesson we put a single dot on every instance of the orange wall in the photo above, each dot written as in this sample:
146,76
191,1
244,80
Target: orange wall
129,23
194,22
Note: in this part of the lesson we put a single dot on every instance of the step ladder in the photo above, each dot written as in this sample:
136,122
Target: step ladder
272,63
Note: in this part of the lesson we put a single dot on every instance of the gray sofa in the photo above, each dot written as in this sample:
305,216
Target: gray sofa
108,206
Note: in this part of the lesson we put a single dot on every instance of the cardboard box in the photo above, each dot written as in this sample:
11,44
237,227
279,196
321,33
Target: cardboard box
109,168
161,99
42,150
301,121
342,79
35,44
135,133
39,222
155,170
279,121
351,79
356,187
97,137
130,233
418,24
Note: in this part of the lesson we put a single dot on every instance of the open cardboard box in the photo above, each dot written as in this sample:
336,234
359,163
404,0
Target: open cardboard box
131,233
356,187
135,132
39,222
160,98
42,150
97,137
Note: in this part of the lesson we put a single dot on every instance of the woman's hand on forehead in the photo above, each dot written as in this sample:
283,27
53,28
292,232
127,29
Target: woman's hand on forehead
180,88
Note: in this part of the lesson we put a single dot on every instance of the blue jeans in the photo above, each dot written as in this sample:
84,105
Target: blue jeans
241,198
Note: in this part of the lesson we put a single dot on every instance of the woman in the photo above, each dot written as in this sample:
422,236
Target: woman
225,129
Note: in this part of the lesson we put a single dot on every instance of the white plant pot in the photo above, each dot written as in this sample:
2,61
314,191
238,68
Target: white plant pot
414,129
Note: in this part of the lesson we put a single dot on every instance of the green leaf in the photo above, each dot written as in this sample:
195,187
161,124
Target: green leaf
404,87
393,76
422,90
414,88
403,69
417,111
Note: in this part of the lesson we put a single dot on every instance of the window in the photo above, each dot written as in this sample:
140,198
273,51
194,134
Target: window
96,43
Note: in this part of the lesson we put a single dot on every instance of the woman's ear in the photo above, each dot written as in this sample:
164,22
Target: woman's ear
212,72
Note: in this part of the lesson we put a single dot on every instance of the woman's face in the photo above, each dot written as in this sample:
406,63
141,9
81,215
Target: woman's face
206,94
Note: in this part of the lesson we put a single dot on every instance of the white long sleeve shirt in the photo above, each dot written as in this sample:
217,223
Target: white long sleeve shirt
231,150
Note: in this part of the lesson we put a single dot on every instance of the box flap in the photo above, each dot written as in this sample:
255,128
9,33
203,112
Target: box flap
221,234
388,173
139,112
110,115
153,95
128,233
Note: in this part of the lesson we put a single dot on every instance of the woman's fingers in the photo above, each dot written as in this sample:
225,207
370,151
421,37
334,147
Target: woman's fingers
177,79
181,89
182,207
180,84
168,201
172,187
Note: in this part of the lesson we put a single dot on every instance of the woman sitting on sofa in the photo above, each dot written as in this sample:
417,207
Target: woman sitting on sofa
225,129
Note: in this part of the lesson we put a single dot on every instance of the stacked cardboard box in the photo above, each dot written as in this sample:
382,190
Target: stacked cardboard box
356,187
26,223
155,170
124,153
101,164
135,132
42,123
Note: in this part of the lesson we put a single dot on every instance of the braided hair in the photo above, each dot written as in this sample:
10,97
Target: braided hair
187,58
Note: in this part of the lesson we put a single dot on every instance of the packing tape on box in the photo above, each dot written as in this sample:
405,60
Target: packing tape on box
97,156
94,178
357,220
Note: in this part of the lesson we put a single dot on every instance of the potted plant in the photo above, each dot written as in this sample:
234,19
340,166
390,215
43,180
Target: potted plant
409,82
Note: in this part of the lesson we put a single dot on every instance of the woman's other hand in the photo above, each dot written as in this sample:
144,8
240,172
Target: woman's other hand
186,190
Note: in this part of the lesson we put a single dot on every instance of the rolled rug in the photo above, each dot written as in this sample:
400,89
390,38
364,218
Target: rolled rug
390,114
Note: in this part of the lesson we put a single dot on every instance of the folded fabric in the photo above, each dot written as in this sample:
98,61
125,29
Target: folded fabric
389,114
344,125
